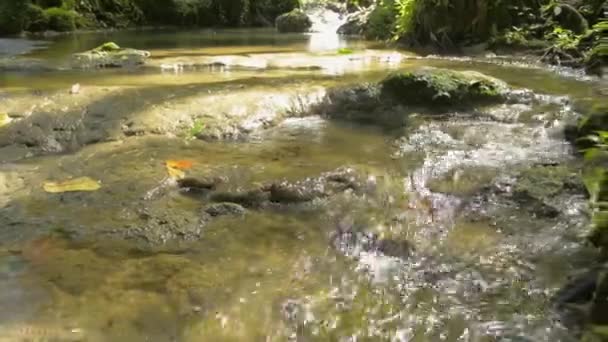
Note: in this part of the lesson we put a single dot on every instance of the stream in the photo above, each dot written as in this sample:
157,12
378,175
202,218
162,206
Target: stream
454,227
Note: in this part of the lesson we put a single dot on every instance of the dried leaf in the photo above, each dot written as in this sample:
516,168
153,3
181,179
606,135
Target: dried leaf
4,119
175,173
76,184
179,164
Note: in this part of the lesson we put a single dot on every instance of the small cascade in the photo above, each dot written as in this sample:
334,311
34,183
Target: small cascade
325,24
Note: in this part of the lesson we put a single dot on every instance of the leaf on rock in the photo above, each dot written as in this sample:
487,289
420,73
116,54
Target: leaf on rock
72,185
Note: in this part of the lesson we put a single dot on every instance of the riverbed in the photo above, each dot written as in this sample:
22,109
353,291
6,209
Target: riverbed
453,227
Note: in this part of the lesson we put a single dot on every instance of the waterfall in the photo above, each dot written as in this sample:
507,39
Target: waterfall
324,31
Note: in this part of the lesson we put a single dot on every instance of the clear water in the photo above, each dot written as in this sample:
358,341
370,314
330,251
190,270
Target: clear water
68,273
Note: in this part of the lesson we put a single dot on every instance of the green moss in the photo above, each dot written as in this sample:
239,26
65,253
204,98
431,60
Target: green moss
108,47
435,86
60,19
294,21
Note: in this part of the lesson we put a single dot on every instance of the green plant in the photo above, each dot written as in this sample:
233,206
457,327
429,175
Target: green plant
596,182
563,38
382,20
60,19
197,128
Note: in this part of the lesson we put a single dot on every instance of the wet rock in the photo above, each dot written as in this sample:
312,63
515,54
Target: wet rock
158,228
286,192
425,90
361,103
542,190
395,248
255,198
294,21
354,241
109,55
435,86
356,23
538,186
198,184
224,209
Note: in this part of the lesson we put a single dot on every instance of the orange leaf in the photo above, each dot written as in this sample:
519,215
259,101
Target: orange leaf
179,164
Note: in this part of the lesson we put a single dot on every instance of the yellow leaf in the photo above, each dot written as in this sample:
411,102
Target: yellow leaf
4,119
175,173
76,184
179,164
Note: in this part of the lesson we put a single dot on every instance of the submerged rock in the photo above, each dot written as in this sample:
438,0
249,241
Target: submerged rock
294,21
286,192
435,86
109,55
224,209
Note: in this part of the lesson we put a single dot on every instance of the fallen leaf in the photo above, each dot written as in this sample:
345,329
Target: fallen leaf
76,184
179,164
175,173
4,119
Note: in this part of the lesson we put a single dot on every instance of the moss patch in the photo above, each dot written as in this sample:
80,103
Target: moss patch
435,86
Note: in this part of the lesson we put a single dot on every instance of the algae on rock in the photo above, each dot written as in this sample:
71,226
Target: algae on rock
435,86
109,55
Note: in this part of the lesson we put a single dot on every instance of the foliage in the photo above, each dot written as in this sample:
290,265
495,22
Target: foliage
593,131
381,21
12,16
65,15
563,38
60,19
197,128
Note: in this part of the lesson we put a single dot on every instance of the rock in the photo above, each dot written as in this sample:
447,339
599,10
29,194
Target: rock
427,89
198,184
287,192
294,21
160,228
352,242
395,248
255,198
310,189
356,23
224,209
569,18
436,87
109,55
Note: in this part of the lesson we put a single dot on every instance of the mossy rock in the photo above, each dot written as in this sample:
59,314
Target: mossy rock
438,87
109,55
294,21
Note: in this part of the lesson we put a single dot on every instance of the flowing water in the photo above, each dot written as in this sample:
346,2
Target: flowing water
434,248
